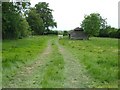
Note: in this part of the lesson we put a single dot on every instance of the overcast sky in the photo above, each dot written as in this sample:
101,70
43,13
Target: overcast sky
70,13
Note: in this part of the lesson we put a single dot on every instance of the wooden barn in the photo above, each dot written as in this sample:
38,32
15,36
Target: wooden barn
78,33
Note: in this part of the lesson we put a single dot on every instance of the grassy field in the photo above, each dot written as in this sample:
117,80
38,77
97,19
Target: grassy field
17,53
99,56
46,62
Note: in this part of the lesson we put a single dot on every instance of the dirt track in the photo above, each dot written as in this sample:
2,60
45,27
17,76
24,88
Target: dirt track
31,76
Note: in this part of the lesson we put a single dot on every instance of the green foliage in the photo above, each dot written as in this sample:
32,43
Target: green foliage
45,12
65,33
8,19
14,24
35,22
53,32
118,33
24,28
109,32
39,19
92,24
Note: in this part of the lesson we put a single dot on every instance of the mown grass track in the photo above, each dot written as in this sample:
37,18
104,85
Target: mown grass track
46,62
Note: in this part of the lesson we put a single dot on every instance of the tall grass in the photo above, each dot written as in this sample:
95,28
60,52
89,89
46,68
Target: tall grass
17,53
99,56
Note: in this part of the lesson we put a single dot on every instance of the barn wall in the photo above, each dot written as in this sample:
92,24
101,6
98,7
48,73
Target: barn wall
78,35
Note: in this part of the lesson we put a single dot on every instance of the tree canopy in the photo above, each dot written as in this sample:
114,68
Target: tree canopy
19,20
14,24
92,24
46,14
35,22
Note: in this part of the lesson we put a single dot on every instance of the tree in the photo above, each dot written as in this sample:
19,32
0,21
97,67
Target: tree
9,20
46,14
65,33
24,28
105,32
35,22
109,32
118,33
92,24
53,32
14,24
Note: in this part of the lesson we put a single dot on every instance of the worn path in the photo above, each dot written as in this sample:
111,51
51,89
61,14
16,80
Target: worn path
73,75
27,77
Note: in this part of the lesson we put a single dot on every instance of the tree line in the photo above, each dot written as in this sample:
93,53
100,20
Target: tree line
95,25
20,20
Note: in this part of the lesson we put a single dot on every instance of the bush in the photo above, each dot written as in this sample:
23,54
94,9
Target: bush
109,32
65,33
53,32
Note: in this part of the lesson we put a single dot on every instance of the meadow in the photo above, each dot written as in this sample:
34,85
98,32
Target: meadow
99,56
54,67
18,53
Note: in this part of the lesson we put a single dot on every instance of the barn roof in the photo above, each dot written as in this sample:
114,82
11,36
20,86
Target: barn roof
78,29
